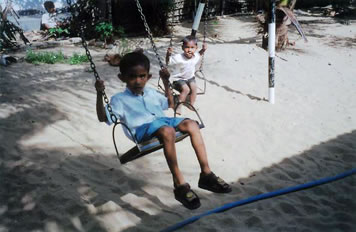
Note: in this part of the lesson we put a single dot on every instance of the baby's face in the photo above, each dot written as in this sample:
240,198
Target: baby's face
189,49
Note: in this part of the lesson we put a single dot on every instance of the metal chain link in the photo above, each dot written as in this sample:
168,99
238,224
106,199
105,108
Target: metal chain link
92,65
96,75
148,30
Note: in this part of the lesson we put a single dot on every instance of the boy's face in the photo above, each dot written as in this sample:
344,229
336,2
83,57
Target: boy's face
136,79
189,48
51,10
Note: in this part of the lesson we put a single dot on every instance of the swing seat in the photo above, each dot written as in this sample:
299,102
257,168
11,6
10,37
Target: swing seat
149,146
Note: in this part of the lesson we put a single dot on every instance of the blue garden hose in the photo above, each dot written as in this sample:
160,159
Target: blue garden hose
260,197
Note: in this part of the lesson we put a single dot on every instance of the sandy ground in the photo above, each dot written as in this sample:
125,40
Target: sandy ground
59,171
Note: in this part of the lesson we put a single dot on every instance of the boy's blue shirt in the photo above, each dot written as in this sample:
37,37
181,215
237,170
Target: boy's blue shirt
136,110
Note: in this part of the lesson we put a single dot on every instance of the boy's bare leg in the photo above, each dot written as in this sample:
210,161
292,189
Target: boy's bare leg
193,94
167,135
192,128
182,96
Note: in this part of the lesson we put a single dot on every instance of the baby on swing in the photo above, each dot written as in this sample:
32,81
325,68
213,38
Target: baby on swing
184,81
141,109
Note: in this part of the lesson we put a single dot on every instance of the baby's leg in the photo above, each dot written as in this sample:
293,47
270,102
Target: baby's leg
182,96
193,92
184,92
167,136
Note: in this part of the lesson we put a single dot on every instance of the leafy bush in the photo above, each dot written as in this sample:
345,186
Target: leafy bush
57,32
44,57
105,30
78,59
54,57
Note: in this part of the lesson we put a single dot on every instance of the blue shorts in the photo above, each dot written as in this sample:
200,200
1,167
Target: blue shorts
146,131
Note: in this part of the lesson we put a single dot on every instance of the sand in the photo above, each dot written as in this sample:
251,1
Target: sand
59,170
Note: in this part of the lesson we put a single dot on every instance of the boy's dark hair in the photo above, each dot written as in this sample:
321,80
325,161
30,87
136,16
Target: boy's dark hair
189,38
48,5
133,59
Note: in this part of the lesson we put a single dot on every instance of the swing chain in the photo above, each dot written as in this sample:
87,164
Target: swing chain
96,75
148,30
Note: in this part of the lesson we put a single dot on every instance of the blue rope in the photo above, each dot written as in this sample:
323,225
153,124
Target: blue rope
260,197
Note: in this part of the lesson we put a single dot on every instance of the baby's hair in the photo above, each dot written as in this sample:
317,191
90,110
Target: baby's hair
189,38
48,5
133,59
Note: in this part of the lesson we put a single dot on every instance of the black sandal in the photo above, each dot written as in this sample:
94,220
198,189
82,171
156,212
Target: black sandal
186,196
213,183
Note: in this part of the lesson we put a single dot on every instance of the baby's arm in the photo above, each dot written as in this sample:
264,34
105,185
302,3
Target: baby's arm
164,74
168,54
100,109
201,52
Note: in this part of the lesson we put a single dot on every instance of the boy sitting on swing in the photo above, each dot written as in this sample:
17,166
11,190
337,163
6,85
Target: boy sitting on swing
184,80
141,109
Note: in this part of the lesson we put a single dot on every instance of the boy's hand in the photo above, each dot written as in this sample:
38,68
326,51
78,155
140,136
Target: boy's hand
169,51
99,86
164,74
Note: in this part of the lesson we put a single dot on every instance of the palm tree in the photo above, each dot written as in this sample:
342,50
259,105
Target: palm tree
8,29
284,17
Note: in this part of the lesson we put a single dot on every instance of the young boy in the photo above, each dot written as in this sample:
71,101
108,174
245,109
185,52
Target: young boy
49,19
184,81
141,109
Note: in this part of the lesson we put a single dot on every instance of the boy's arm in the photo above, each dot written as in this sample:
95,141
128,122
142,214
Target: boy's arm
168,54
164,74
201,52
100,109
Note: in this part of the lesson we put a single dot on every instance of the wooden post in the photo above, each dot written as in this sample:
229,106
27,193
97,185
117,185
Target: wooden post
271,49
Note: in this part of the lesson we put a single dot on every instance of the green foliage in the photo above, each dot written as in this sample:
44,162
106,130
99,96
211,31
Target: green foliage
44,57
106,30
78,59
57,32
54,57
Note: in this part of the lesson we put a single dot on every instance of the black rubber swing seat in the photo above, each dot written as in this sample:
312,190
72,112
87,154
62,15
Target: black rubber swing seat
149,146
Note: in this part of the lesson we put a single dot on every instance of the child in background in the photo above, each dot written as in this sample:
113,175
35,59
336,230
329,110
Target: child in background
184,80
141,109
49,19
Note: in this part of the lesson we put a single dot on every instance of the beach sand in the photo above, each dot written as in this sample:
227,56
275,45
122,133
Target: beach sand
59,170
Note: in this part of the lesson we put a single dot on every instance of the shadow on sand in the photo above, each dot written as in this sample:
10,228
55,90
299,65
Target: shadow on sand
36,182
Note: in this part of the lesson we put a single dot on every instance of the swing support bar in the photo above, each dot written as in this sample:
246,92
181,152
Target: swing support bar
197,18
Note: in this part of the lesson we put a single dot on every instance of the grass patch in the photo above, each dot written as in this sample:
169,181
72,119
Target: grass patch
78,59
54,57
44,57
